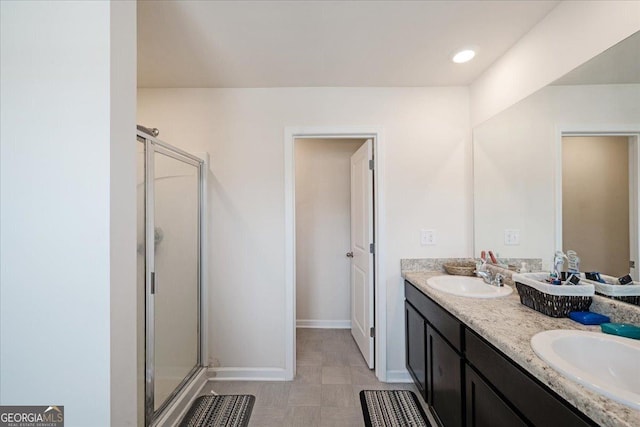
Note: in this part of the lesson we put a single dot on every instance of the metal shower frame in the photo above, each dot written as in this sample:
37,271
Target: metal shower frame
153,145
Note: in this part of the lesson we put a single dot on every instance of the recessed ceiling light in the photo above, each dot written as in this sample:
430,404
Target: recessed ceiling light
464,56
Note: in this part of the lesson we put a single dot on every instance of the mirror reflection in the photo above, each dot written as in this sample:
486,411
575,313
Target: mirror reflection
559,169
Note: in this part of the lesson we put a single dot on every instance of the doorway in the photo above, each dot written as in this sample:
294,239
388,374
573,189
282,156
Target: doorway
373,338
599,187
322,183
334,286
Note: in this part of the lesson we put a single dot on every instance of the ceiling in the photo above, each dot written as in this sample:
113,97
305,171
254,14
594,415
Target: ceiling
325,43
620,64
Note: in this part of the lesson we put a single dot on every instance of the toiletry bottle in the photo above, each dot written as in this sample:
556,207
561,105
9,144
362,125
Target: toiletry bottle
574,262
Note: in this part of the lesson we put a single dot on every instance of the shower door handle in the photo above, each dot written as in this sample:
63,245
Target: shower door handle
153,283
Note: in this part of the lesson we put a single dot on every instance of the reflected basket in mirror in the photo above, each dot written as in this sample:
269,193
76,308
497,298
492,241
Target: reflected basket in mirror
611,288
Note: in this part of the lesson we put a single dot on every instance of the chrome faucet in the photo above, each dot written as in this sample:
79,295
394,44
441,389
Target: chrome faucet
482,272
496,279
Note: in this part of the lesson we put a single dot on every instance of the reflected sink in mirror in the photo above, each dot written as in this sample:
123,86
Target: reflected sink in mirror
606,364
465,286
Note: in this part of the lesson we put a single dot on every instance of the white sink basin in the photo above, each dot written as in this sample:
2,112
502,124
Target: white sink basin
606,364
468,287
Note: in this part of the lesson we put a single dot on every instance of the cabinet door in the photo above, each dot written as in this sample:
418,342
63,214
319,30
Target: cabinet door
484,407
444,380
522,391
416,351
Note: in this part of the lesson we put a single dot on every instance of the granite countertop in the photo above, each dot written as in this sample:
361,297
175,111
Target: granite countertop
509,326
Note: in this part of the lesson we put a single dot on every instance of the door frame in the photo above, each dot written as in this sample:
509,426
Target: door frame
380,289
633,133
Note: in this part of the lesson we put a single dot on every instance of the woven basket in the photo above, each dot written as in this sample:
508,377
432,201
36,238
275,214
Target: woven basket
552,305
631,299
460,268
612,289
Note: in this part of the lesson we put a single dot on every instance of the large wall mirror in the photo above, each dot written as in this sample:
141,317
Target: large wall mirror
559,169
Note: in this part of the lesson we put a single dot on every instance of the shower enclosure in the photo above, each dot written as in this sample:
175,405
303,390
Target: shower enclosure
170,199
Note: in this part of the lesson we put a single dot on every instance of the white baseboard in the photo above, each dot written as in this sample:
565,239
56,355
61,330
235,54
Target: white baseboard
278,374
246,374
402,376
323,324
181,404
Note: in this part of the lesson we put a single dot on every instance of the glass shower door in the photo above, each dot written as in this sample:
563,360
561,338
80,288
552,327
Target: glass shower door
170,199
177,271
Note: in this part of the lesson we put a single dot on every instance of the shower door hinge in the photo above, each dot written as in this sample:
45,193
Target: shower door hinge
153,283
632,264
372,332
372,248
371,164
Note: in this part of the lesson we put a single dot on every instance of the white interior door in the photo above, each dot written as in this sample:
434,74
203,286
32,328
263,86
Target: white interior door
362,250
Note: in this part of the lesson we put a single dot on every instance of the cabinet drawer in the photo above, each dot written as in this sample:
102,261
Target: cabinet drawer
447,325
535,402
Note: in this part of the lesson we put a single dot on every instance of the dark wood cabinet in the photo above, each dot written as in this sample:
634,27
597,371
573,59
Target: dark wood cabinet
467,381
441,320
445,380
416,335
434,342
484,408
522,391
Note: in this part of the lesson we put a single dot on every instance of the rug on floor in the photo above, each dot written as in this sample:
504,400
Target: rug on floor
389,408
217,411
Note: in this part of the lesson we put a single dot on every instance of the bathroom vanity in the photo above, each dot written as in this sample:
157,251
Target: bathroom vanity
472,361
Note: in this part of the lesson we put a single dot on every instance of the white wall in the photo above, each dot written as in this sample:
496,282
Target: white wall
428,184
59,205
571,34
323,227
516,154
127,371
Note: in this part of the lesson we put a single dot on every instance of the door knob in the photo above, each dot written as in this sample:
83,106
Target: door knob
349,254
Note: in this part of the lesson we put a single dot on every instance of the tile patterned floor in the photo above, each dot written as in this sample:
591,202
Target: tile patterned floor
330,375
